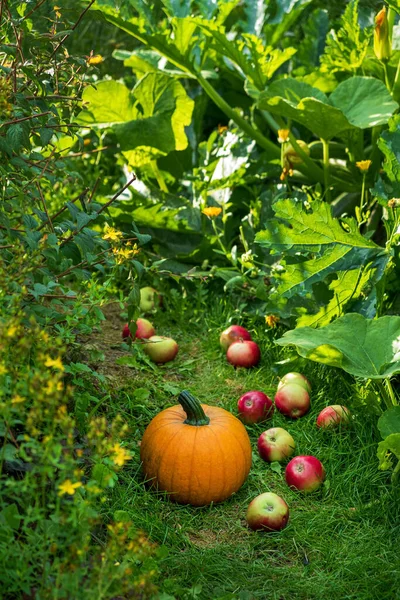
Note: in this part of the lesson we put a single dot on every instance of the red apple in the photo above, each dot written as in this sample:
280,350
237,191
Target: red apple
275,444
332,416
292,400
305,473
267,511
297,378
255,407
161,349
234,333
144,330
243,354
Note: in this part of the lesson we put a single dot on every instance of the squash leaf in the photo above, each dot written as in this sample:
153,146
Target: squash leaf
367,348
148,122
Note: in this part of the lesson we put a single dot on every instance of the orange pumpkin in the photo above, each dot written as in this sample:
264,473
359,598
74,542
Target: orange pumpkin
196,453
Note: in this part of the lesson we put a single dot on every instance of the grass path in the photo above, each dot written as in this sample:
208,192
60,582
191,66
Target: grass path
341,543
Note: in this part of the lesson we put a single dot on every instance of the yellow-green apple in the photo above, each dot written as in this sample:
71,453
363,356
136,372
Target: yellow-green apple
275,444
267,511
292,400
161,349
234,333
305,473
149,299
255,407
295,378
332,416
144,330
243,354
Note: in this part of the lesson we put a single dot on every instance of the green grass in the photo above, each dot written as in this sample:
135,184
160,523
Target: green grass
341,542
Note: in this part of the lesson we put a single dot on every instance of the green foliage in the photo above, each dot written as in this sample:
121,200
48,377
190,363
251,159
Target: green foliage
327,247
375,355
148,122
347,48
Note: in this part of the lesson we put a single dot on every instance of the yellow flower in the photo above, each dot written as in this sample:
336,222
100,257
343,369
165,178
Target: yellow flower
363,165
56,363
11,331
271,320
394,203
122,254
112,234
212,211
53,386
17,399
3,369
283,135
68,487
95,60
121,455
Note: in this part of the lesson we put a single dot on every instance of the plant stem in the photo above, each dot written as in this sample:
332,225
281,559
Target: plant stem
391,392
225,251
383,393
193,409
160,179
387,82
325,147
315,171
396,84
234,116
362,198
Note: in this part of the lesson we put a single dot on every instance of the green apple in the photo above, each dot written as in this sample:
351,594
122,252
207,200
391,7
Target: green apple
267,511
161,349
149,299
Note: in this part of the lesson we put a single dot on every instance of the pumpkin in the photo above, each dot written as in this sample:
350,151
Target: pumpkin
196,453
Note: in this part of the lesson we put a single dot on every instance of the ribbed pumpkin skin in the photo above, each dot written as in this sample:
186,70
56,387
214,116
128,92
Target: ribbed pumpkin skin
196,465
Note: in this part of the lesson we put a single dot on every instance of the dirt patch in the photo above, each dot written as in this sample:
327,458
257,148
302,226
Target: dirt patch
107,342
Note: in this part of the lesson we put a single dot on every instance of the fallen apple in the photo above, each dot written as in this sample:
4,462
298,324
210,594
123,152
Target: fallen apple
305,473
161,349
297,378
234,333
332,416
292,400
149,299
243,354
275,444
144,330
255,407
267,511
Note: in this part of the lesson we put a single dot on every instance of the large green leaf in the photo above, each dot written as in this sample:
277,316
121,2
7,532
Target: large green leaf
367,348
357,102
148,122
389,422
365,101
326,247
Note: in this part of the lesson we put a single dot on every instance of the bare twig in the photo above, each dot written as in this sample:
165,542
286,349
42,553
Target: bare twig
75,154
44,206
93,190
48,112
38,5
58,213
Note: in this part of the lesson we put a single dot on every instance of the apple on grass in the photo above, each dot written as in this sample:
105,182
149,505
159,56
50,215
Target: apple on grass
292,400
297,378
149,299
332,416
161,349
243,354
275,444
267,511
305,473
255,407
144,329
234,333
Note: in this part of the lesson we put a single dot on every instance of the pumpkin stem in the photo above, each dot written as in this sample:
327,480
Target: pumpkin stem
192,407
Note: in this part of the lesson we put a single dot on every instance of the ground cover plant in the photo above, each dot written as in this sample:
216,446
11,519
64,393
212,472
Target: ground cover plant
199,200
